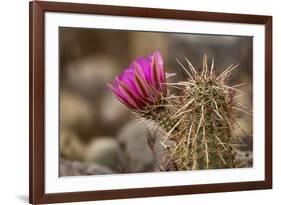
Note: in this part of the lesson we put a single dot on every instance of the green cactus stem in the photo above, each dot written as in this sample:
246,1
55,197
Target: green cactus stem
200,119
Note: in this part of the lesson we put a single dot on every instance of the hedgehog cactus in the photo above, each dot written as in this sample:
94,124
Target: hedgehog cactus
199,119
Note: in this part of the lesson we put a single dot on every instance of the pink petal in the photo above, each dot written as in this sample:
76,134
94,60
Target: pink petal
120,97
140,81
159,65
144,67
130,96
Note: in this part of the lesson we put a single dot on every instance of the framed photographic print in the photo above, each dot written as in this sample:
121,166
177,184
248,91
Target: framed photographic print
139,102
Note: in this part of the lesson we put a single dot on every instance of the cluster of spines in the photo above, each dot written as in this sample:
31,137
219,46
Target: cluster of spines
199,119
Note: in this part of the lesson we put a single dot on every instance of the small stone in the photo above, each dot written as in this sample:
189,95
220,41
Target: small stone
113,113
105,151
244,158
76,113
89,75
70,145
138,155
76,168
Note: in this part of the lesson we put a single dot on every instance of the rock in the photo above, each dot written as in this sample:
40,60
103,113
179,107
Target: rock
76,168
70,145
138,155
105,151
88,76
113,113
243,127
76,114
161,152
244,159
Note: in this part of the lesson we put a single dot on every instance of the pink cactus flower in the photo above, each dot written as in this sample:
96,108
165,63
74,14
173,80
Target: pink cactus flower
143,83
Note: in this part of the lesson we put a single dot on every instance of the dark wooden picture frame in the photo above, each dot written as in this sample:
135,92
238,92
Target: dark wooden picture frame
36,142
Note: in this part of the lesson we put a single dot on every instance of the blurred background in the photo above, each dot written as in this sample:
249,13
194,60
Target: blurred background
98,134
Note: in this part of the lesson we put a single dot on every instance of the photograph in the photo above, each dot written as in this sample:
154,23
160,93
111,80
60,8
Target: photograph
142,101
